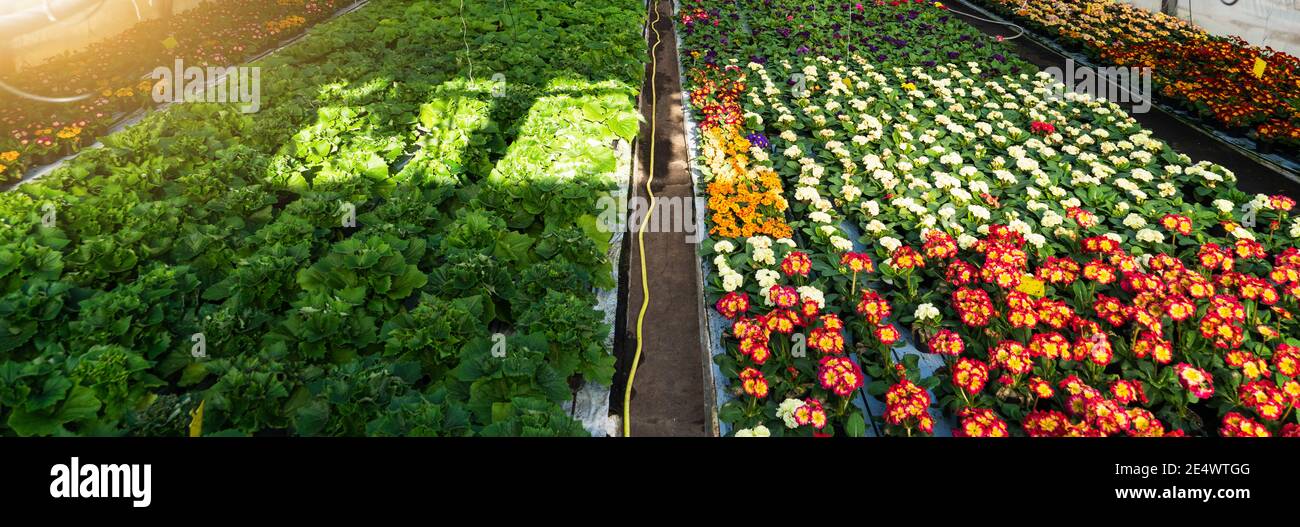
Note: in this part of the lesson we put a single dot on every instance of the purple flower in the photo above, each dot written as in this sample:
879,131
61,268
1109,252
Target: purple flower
758,140
801,50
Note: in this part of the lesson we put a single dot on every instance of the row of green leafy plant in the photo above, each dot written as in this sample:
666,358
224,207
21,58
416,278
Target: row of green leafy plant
390,247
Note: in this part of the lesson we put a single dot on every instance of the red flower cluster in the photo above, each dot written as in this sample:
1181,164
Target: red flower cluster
733,304
811,413
796,264
1237,425
939,245
754,339
1195,380
1177,224
874,308
973,307
905,257
839,375
829,337
1058,271
857,262
960,273
946,342
1042,128
754,383
980,422
1265,399
970,375
1013,357
1004,259
908,405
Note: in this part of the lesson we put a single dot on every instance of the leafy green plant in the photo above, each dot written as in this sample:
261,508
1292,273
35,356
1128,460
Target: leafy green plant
575,333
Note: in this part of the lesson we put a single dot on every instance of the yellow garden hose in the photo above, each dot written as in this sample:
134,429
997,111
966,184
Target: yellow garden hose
640,234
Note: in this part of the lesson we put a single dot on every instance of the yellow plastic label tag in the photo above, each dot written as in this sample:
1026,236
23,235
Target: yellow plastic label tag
196,420
1260,66
170,43
1031,286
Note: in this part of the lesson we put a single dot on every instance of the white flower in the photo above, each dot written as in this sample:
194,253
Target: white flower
927,311
1019,226
1026,164
786,412
724,246
850,192
966,241
787,242
1224,205
767,278
765,256
759,242
1134,221
841,243
979,212
1243,234
1150,236
890,243
732,281
1035,239
808,292
806,194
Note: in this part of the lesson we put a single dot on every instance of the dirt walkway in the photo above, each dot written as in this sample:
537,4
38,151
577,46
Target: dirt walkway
669,395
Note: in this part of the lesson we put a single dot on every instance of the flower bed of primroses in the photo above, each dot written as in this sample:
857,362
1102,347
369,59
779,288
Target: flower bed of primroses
1212,76
1076,276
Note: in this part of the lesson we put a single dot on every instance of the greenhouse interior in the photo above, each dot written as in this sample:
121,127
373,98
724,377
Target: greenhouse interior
632,218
